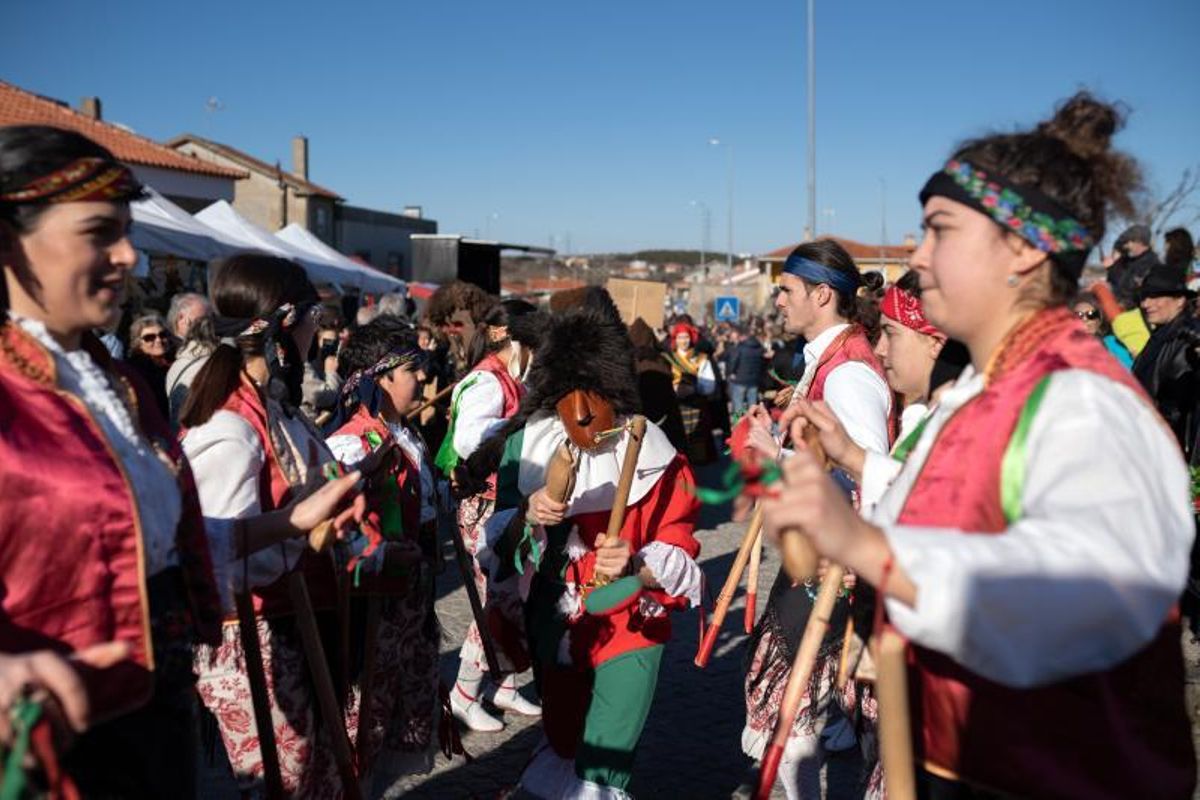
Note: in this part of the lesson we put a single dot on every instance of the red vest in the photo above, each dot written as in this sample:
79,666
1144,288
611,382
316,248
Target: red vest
1120,733
274,492
511,390
71,558
406,474
850,345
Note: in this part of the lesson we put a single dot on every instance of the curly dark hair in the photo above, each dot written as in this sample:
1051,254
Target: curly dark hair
1068,158
458,295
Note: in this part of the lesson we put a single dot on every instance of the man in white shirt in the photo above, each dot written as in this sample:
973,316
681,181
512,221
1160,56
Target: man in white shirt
818,298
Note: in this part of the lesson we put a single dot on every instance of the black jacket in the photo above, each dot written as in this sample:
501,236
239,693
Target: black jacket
1126,276
746,363
1169,368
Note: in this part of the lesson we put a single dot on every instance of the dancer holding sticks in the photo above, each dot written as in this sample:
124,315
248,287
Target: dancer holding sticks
395,568
818,299
602,573
1044,637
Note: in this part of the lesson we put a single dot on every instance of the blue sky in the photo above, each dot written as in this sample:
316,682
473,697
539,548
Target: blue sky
532,120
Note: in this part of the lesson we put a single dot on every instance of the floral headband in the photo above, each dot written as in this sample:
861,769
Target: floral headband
83,180
1022,210
386,364
905,308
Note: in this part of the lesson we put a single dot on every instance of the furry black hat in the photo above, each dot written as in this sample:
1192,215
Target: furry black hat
583,349
580,349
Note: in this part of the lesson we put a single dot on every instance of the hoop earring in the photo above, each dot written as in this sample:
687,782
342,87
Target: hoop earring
1012,281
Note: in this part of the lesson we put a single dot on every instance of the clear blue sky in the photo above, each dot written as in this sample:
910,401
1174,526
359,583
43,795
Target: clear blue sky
592,119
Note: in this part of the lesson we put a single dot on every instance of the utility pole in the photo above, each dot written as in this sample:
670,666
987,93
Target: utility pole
812,120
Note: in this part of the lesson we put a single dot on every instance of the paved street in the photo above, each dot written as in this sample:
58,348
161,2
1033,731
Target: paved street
692,744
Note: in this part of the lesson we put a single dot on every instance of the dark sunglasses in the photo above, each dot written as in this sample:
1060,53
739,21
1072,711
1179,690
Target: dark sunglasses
1088,315
150,337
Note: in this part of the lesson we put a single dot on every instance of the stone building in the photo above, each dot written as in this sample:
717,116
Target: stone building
270,196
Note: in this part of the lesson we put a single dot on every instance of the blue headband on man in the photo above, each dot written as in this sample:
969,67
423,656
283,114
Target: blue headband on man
814,272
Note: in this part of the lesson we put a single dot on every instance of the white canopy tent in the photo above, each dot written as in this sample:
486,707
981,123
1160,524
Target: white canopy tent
160,226
370,280
228,222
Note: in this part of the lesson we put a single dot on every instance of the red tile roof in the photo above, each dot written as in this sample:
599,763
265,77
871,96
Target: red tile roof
19,107
857,250
250,162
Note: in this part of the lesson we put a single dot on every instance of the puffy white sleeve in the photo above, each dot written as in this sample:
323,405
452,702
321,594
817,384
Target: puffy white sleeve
878,472
227,459
1087,575
676,572
479,413
861,401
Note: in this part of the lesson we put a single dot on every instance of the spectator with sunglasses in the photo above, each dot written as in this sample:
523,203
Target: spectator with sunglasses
151,352
1087,309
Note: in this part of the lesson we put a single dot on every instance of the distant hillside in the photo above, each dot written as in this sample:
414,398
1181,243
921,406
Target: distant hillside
689,257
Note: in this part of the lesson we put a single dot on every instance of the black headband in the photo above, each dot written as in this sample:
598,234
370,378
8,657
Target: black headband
1023,210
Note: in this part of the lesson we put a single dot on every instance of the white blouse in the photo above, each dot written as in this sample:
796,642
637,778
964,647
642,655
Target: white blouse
157,501
1086,576
227,459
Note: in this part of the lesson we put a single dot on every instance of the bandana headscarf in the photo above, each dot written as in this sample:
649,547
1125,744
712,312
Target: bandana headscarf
362,387
905,308
843,283
231,329
1023,210
83,180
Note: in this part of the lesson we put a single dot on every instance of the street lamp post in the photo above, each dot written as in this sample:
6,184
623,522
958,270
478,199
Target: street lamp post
729,220
705,223
812,118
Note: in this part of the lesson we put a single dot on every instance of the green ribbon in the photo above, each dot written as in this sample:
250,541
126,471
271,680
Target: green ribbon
1012,468
733,483
24,715
776,376
535,550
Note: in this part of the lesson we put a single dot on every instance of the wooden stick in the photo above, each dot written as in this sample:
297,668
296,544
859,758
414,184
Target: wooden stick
259,695
331,710
616,518
725,598
441,395
843,674
752,583
895,735
366,711
798,680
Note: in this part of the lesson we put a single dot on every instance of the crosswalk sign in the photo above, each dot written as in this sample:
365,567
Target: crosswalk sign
728,308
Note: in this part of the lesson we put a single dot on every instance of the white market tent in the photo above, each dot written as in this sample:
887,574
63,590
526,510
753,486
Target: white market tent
371,280
160,226
229,223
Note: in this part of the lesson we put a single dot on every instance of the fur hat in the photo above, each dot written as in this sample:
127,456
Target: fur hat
583,349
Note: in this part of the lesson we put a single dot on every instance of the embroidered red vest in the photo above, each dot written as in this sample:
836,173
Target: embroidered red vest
1119,733
274,492
406,474
71,558
851,345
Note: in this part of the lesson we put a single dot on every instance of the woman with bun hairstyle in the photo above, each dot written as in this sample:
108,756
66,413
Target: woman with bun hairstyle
253,452
1034,544
100,523
480,404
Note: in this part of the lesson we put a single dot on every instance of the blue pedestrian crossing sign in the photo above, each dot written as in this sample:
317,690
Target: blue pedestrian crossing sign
728,308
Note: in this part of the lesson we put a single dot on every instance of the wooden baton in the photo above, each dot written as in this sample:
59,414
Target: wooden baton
752,583
802,668
725,598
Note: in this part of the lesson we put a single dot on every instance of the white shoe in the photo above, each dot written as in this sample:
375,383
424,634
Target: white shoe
507,698
469,712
